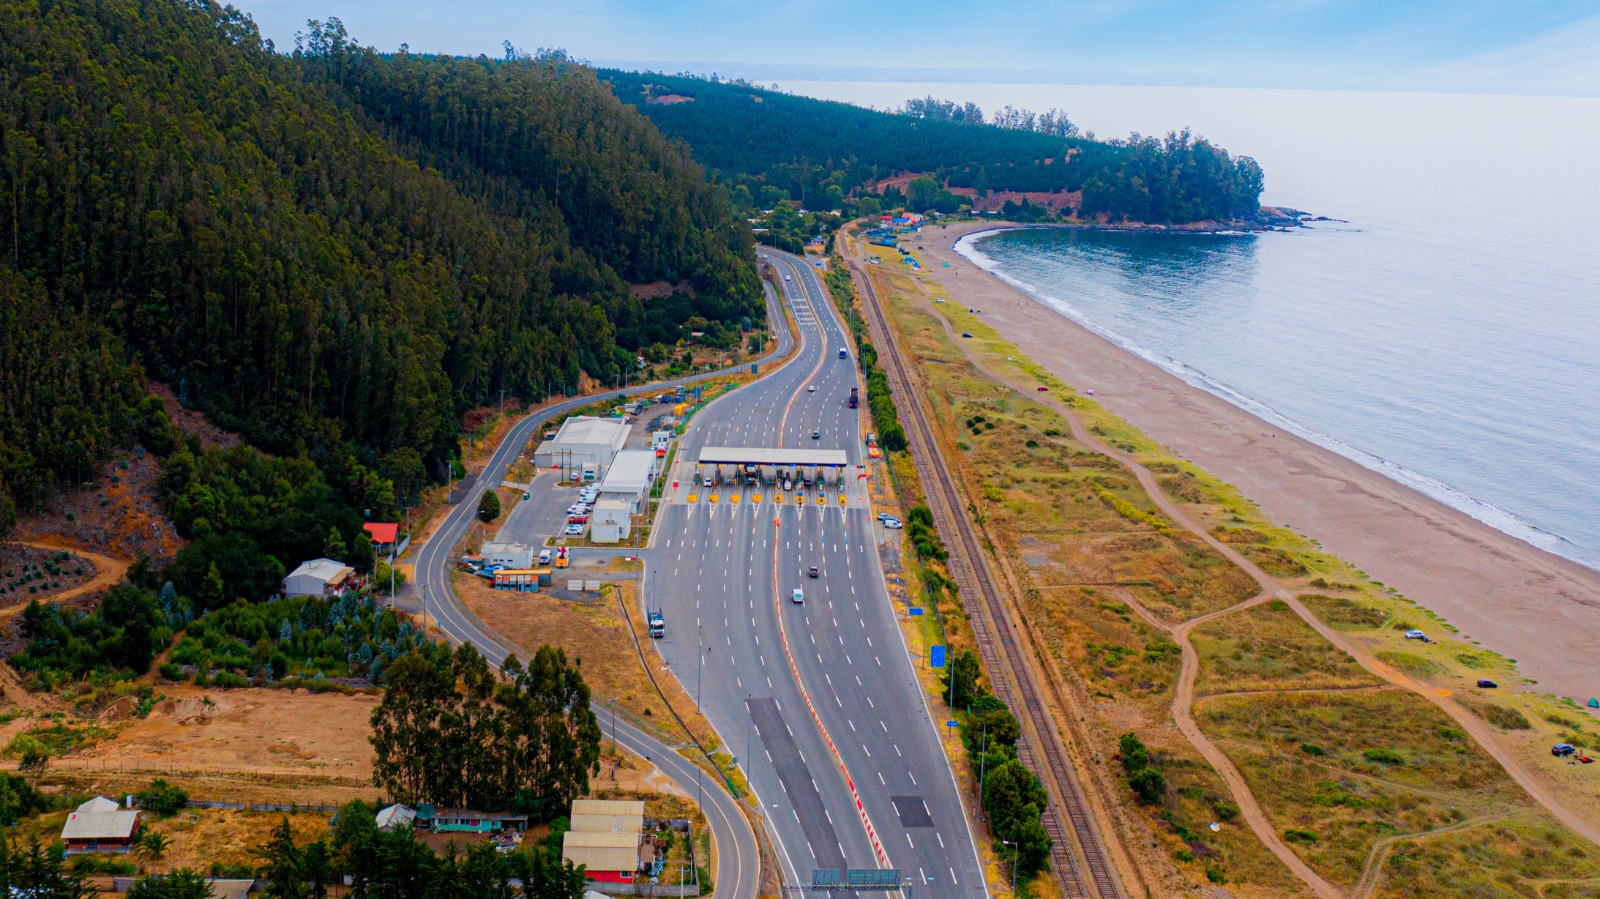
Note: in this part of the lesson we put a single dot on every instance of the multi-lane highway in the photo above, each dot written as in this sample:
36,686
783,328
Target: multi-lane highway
738,873
819,700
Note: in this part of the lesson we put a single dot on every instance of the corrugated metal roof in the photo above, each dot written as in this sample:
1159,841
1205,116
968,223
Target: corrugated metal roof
116,825
325,570
583,429
607,823
629,472
608,807
602,851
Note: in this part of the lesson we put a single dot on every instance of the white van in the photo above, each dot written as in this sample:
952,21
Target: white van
544,557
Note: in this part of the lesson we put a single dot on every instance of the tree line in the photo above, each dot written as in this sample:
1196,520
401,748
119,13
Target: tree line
768,146
329,251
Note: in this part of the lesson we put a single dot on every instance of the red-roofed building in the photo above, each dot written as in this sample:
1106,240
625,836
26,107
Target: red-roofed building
383,536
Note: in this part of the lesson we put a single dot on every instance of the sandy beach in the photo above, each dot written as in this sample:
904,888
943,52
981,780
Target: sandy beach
1523,602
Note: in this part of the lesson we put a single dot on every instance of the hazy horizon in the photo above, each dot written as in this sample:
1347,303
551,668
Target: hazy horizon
1484,46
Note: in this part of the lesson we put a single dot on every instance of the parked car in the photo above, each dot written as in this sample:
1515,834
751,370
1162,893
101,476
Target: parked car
708,481
577,509
526,495
573,530
884,516
577,519
544,557
1562,750
1042,389
798,596
892,524
966,334
1486,683
1416,635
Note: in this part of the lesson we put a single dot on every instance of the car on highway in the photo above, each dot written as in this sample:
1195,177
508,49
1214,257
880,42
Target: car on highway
573,530
798,597
892,523
813,572
787,278
811,389
816,435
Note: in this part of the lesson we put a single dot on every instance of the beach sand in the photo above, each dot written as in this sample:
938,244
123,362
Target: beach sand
1518,600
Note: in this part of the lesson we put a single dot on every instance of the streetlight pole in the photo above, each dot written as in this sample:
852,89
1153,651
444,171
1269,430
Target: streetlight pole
1016,853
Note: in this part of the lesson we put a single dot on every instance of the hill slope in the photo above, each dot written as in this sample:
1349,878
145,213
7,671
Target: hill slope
816,152
325,250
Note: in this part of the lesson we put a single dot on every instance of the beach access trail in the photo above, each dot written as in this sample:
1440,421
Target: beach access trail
1270,589
1516,599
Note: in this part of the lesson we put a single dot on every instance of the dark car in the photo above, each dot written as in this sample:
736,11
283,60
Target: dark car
1562,750
816,435
1486,683
966,334
814,572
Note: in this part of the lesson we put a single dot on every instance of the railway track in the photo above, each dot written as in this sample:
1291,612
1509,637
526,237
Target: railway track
1078,855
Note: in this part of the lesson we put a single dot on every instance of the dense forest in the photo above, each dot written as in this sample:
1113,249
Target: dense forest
331,251
770,146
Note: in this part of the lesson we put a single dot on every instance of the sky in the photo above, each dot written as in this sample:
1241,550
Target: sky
1479,46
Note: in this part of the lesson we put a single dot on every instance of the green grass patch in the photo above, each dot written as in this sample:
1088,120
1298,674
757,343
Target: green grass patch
1268,647
1410,664
1344,614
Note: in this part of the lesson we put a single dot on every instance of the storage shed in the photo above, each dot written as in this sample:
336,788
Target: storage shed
583,440
507,555
319,577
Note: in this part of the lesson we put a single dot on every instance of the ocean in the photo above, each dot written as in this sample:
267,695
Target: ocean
1446,332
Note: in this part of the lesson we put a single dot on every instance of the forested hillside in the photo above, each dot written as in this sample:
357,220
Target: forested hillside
778,146
333,252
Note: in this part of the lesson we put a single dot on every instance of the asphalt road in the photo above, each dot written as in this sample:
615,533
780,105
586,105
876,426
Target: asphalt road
738,871
818,700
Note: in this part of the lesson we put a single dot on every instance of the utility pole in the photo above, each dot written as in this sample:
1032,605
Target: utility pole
983,758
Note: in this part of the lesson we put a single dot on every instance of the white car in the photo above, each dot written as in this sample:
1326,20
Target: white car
573,530
811,389
577,509
544,557
892,524
798,597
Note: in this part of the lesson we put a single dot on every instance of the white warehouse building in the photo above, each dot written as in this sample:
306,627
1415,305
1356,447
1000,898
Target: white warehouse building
583,444
629,478
319,577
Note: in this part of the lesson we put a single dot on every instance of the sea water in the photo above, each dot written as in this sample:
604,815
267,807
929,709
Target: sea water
1446,332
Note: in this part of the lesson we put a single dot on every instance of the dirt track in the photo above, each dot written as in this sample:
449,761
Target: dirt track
1271,589
108,572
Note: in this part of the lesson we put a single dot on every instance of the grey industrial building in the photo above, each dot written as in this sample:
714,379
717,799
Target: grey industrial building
584,444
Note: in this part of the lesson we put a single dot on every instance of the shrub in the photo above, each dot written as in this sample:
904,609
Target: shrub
1135,757
1296,835
1384,756
489,506
161,798
1149,785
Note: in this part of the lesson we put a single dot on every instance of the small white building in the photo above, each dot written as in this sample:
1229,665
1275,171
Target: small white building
395,817
507,555
319,577
629,478
610,521
583,440
100,825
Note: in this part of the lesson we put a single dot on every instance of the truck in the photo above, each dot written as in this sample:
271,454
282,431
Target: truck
657,622
843,354
855,397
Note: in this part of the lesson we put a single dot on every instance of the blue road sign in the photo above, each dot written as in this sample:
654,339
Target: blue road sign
914,611
936,656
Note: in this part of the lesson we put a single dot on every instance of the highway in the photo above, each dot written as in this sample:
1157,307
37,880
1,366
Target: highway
818,700
738,873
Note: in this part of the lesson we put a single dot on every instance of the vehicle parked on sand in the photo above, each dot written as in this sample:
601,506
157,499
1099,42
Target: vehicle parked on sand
1487,684
1562,750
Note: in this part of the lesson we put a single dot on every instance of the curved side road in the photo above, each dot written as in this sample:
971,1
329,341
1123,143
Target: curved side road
738,874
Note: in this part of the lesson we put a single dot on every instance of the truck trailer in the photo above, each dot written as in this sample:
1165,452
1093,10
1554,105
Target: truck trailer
855,397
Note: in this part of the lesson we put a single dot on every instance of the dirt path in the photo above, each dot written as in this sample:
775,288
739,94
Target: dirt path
1270,589
108,572
1373,869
